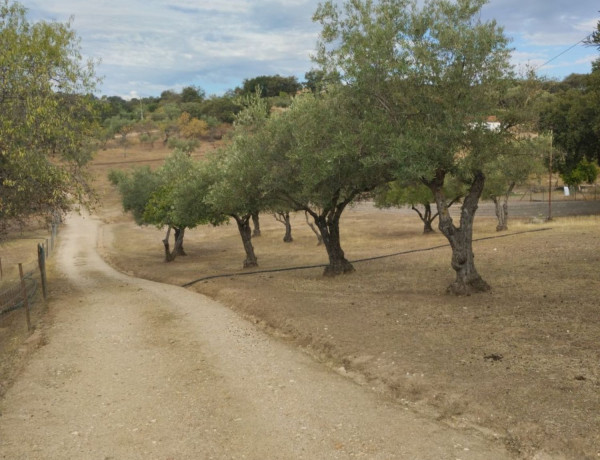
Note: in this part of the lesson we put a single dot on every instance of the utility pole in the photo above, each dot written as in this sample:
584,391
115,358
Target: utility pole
550,176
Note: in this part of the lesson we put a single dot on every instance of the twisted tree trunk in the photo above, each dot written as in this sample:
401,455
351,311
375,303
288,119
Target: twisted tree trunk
256,223
329,227
501,205
284,218
426,217
178,248
243,223
179,233
467,280
312,227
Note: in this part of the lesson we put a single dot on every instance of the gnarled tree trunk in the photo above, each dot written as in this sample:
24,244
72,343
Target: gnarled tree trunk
284,218
329,226
427,217
312,227
178,248
501,205
460,238
243,223
256,223
179,233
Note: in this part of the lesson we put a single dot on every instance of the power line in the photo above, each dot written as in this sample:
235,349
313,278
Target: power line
563,52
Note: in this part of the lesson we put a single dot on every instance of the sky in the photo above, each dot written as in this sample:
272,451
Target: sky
144,47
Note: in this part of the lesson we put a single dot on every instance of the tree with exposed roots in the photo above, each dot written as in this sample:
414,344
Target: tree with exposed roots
435,73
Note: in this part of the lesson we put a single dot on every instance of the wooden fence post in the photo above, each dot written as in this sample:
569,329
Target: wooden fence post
42,265
25,300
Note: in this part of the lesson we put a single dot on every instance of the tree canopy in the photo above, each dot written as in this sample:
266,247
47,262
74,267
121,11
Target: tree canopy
435,73
47,116
271,85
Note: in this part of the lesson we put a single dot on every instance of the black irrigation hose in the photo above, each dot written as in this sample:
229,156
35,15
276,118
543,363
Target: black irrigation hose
305,267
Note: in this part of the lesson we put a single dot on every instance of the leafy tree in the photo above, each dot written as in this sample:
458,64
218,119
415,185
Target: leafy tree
171,197
317,80
223,108
271,86
135,189
170,97
183,145
573,116
192,94
524,158
594,40
319,156
585,171
435,73
523,155
191,128
47,122
161,209
235,191
149,131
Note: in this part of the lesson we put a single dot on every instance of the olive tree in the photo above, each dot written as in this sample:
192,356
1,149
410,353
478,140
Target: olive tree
435,73
236,174
319,156
171,197
514,167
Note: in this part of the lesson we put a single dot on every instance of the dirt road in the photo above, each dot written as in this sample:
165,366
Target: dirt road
133,369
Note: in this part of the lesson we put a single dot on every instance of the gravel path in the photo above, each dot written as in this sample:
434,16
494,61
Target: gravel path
139,370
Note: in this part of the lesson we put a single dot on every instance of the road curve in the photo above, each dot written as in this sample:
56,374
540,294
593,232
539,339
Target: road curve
134,369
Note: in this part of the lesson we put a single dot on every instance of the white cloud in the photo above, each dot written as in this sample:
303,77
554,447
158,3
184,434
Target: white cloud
148,46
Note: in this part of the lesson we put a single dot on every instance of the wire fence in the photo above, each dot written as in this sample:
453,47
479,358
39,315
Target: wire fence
24,284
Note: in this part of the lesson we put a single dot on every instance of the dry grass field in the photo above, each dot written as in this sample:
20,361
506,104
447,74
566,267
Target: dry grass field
520,363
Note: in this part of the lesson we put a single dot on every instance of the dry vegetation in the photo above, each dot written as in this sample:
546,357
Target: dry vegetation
519,363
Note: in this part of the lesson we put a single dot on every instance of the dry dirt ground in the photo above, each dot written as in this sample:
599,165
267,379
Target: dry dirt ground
518,365
133,369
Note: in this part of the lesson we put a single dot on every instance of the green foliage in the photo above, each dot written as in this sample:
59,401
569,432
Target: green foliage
192,94
573,116
236,170
400,194
222,108
585,171
173,195
521,159
183,145
321,153
136,190
435,74
271,86
46,119
116,176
